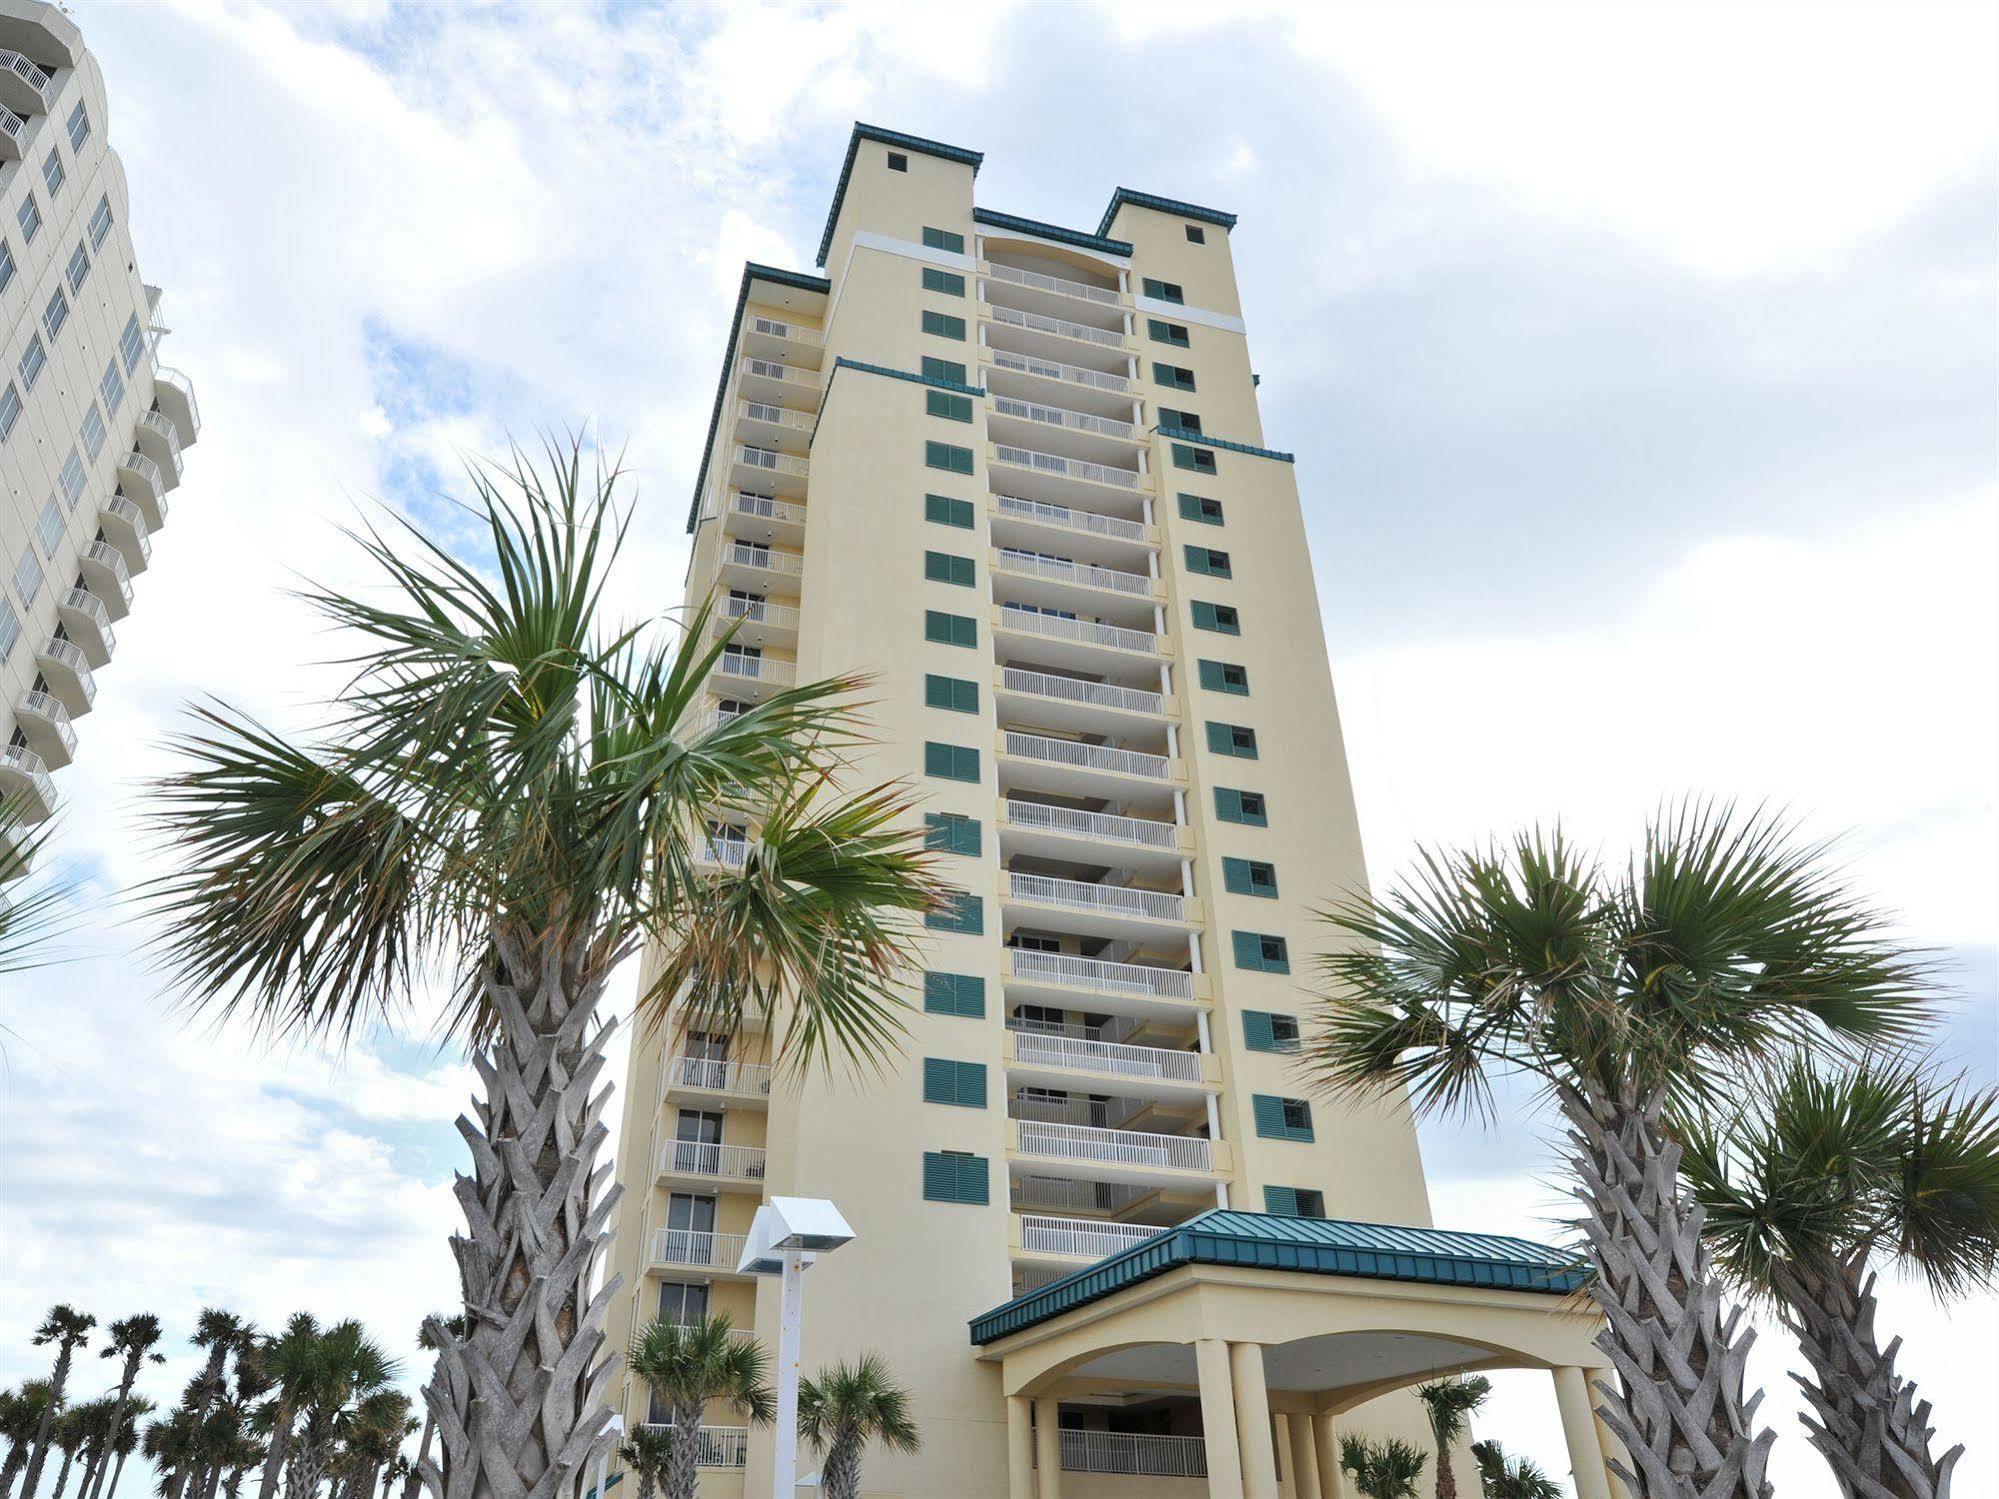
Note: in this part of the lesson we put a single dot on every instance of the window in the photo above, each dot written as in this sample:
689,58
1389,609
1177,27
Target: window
79,126
1199,508
1176,376
950,762
1232,739
1163,291
955,1176
1225,676
112,388
1180,421
1221,618
1260,952
52,172
1198,459
951,408
72,478
1196,235
897,162
950,629
1282,1118
950,283
943,325
961,994
55,314
79,266
1249,877
945,511
1294,1202
942,567
29,217
943,239
943,369
960,912
1264,1031
948,833
954,693
100,223
32,361
28,575
10,410
1208,561
10,629
131,343
1245,807
962,1084
7,266
92,431
48,530
950,459
1166,333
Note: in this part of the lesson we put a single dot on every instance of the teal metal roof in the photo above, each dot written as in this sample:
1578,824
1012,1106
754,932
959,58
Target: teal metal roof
993,218
1309,1246
1126,195
751,272
1181,434
863,132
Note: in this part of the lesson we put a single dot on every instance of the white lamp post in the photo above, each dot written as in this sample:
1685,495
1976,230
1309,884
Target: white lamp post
786,1237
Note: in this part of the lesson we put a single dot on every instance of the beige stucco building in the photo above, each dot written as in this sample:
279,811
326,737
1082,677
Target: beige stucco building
91,426
1107,1234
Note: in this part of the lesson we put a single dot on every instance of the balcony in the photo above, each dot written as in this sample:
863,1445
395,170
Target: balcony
695,1249
25,781
763,424
173,393
140,479
723,853
1080,644
1138,989
103,567
25,86
782,338
752,678
1056,286
88,623
1055,369
766,467
776,383
13,134
46,723
1060,416
1138,1453
1097,910
1088,1151
1052,580
755,568
720,1446
1051,478
124,526
762,518
1057,327
744,1082
728,1166
1039,1236
66,669
1037,699
156,438
1052,1060
756,622
1070,767
1093,837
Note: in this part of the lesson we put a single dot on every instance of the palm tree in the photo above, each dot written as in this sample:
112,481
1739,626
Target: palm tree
1723,945
133,1339
222,1334
508,791
1503,1477
137,1408
687,1364
1383,1470
20,1420
1449,1404
427,1341
348,1369
1826,1173
289,1362
369,1435
69,1330
646,1452
845,1408
94,1420
171,1445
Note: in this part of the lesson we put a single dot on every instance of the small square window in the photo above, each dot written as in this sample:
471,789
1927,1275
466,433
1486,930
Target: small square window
951,408
72,478
943,325
1200,508
100,223
897,162
1249,877
1201,460
7,266
950,762
1221,618
1208,562
10,410
943,239
943,369
1196,235
1179,421
1234,739
1172,375
93,432
55,314
946,511
29,217
1163,291
950,283
79,266
943,567
79,126
1166,333
1225,676
952,693
947,832
53,174
951,459
1245,807
48,530
34,359
950,629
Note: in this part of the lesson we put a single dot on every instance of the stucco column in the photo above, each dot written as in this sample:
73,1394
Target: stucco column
1048,1446
1019,1448
1304,1468
1211,1360
1252,1419
1326,1447
1579,1426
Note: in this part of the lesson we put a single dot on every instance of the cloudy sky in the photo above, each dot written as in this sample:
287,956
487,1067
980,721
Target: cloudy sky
1645,423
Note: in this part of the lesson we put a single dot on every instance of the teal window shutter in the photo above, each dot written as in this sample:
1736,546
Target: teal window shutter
1263,1030
943,325
953,460
1221,618
1163,291
1259,952
1232,739
960,1084
962,912
960,994
946,511
954,693
1225,676
955,1176
1282,1201
943,239
1208,561
943,369
951,408
950,629
950,762
1166,333
1201,460
950,833
943,567
950,283
1246,807
1172,375
1200,508
1249,877
1282,1118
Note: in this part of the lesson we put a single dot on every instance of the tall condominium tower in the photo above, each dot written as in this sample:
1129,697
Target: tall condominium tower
1106,1234
91,426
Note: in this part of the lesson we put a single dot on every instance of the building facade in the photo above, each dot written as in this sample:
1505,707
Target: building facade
92,427
1016,472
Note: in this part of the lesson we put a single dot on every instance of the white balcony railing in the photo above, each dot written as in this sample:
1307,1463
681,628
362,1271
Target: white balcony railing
32,74
72,657
1072,468
700,1158
138,463
1087,631
772,369
1134,979
19,760
166,375
1087,756
1072,520
1134,1452
721,1076
1074,690
1061,327
1113,829
775,416
13,127
1081,1236
133,517
730,853
763,507
1114,1147
44,706
157,424
1038,1048
760,611
762,557
1054,369
757,669
1061,570
1080,895
697,1247
1058,416
772,328
1109,296
720,1446
772,462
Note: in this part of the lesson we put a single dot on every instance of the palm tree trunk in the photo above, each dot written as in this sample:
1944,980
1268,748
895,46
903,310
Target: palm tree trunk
274,1454
117,1472
682,1472
308,1468
840,1477
415,1479
130,1374
1678,1403
62,1474
1447,1481
535,1208
37,1458
17,1459
1865,1419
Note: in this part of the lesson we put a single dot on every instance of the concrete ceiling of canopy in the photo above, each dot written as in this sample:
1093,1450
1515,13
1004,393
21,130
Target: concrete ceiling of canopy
1338,1362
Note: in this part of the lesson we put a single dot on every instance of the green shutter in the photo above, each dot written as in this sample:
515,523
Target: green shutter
1256,1031
1249,877
946,511
961,1084
1270,1121
1166,333
960,994
1282,1201
949,833
950,762
951,408
1249,952
943,239
1172,375
944,369
954,693
1230,807
948,282
1222,740
953,460
1208,561
1221,618
950,629
944,567
954,1176
1199,459
943,325
961,912
1224,676
1200,508
1162,291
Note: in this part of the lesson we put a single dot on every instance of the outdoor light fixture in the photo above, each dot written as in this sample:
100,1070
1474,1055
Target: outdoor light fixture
786,1236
